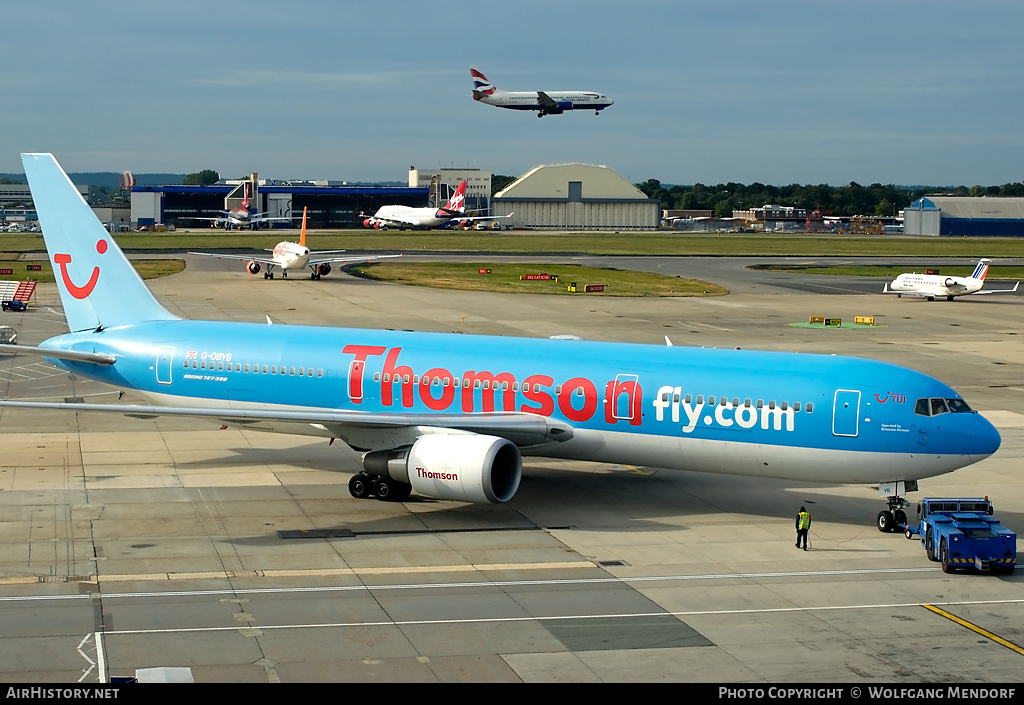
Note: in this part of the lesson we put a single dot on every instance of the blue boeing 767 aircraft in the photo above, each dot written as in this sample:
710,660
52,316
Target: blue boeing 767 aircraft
451,416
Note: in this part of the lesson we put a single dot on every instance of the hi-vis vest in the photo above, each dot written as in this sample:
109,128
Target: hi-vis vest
805,521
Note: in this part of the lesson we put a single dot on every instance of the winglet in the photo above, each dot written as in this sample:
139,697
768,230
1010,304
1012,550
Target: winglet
302,236
885,289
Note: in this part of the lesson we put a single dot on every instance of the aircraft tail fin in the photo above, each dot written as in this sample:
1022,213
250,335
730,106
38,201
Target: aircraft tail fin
981,270
302,235
98,286
457,203
482,88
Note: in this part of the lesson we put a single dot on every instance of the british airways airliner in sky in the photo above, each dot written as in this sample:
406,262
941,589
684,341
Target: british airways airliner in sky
544,102
450,416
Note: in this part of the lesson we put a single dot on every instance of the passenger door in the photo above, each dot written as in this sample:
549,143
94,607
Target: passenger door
846,413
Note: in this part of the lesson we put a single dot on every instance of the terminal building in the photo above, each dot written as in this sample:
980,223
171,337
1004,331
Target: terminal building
965,215
576,197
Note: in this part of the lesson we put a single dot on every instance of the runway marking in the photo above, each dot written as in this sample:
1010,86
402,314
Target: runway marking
435,586
975,628
552,618
685,324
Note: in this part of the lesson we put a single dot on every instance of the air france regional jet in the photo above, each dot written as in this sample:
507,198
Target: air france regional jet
544,102
450,416
929,286
295,256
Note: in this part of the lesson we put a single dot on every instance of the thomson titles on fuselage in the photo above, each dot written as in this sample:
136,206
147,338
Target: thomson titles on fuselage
577,398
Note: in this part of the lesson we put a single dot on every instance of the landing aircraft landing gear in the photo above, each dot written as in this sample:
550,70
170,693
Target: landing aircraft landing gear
363,485
893,518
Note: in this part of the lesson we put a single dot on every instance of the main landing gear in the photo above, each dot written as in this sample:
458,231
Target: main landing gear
363,485
893,518
268,275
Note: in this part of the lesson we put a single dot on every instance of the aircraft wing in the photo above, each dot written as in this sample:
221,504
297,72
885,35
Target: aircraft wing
545,100
998,291
485,217
75,355
520,428
346,261
236,257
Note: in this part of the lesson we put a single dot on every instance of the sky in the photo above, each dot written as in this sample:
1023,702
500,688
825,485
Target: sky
775,91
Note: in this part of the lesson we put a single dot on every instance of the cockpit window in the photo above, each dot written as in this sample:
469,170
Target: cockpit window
934,407
958,406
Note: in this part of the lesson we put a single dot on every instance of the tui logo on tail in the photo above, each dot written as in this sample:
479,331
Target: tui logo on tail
79,292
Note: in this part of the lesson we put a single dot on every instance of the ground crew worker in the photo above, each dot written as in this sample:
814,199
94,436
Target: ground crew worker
803,524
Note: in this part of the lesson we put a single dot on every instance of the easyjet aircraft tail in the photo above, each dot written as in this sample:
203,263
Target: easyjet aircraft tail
98,286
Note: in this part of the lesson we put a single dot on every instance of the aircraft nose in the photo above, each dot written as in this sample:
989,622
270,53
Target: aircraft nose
982,439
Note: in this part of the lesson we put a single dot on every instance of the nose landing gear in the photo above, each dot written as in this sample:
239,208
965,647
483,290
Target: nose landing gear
893,518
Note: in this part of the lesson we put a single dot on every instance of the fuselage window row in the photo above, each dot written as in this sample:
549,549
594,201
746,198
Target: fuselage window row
925,407
254,369
735,403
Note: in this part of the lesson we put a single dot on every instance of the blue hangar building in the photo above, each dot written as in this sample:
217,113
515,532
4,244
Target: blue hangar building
328,206
991,216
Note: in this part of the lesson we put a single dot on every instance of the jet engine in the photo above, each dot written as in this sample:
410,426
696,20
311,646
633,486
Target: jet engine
253,267
323,268
949,282
461,467
368,223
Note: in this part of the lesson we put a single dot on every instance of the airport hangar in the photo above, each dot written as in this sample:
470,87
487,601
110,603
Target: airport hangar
328,206
576,197
965,215
560,197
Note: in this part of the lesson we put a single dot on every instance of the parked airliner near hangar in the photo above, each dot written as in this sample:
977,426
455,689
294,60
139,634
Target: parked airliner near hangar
929,286
544,102
295,256
242,217
450,416
403,217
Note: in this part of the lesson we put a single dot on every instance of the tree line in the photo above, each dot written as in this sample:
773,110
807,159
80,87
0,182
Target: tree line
848,200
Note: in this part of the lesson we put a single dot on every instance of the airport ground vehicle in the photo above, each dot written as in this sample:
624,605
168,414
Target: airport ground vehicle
963,533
